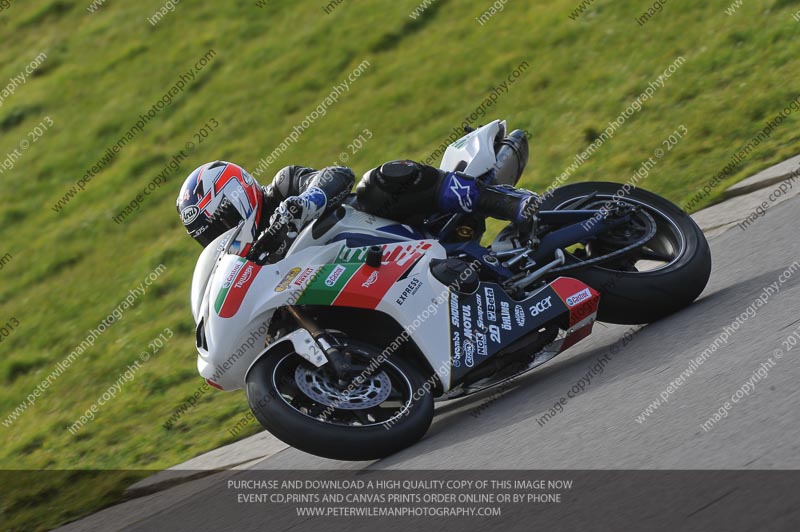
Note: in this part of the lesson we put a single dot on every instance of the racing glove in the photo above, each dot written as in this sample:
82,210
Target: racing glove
285,224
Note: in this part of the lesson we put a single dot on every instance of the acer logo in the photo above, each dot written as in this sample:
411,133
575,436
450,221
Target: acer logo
541,306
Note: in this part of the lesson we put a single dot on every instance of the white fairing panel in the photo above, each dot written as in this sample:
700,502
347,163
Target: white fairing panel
476,149
202,271
420,304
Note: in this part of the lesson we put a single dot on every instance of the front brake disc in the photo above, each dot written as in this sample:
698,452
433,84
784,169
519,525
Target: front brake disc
370,392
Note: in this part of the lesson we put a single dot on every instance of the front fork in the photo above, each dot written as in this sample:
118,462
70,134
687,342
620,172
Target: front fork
339,362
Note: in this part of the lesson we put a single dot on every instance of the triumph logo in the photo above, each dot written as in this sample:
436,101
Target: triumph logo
574,299
541,306
334,276
248,272
373,277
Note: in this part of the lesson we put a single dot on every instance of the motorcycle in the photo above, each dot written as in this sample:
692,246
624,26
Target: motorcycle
344,343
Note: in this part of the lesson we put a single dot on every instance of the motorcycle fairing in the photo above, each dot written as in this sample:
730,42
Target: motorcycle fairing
485,322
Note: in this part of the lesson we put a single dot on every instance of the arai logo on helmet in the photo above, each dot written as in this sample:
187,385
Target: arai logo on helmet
541,306
334,276
574,299
189,214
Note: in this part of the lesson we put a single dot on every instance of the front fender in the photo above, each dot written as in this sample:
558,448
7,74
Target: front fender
303,344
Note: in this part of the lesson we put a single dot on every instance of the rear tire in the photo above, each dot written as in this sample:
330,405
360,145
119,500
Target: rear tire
646,296
330,439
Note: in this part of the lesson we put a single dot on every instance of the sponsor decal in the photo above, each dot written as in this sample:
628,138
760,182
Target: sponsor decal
304,277
456,349
541,306
337,272
480,340
519,315
237,293
189,214
454,319
574,299
412,288
581,299
479,308
287,279
466,317
226,286
246,275
373,277
232,275
505,315
494,334
491,307
469,352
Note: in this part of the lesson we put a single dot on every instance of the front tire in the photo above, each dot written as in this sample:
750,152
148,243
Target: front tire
298,404
634,297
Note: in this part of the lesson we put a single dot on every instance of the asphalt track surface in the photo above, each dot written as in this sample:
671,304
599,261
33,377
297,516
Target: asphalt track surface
598,427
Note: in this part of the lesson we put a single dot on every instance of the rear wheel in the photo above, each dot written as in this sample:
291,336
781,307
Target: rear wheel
654,280
372,416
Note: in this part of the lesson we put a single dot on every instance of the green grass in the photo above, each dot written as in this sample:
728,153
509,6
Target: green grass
273,66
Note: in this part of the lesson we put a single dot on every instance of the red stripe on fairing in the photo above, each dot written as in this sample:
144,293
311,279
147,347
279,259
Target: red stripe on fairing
397,260
355,294
576,337
239,289
567,287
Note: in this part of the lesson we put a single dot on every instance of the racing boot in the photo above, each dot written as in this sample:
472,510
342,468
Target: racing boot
459,193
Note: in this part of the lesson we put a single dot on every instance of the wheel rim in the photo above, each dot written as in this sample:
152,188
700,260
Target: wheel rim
378,398
666,248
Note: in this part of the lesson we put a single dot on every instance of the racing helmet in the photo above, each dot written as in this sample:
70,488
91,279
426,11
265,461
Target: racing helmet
217,197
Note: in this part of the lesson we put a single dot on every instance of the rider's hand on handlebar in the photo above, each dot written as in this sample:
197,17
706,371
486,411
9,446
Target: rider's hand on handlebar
527,217
284,226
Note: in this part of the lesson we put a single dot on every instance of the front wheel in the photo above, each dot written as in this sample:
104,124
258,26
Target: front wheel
388,407
660,277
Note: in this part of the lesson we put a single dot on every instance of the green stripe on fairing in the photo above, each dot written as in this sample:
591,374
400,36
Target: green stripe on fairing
223,293
352,255
318,293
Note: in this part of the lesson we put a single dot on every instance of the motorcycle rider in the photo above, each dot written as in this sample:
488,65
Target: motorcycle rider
219,196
